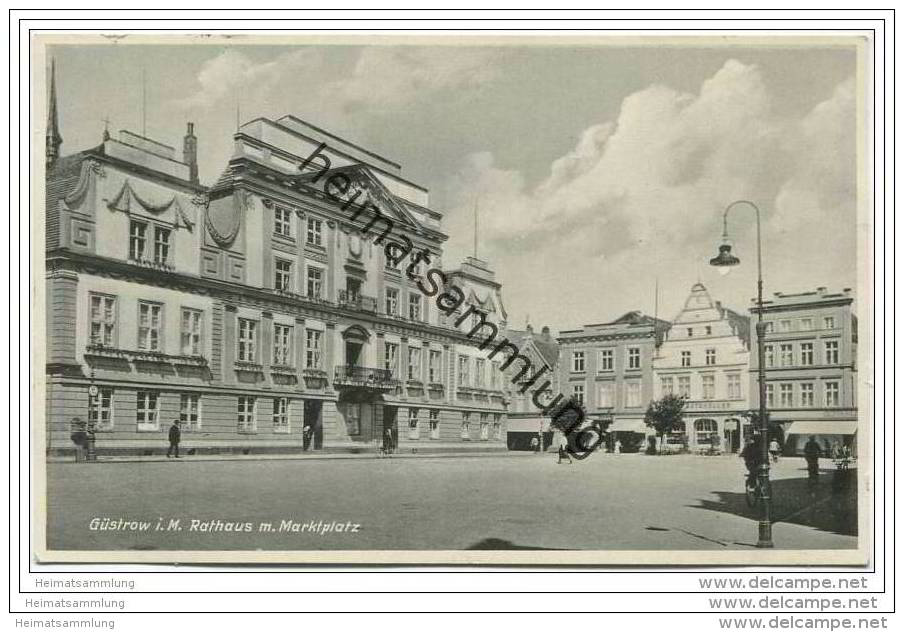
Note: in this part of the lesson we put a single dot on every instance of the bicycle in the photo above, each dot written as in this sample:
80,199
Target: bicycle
752,490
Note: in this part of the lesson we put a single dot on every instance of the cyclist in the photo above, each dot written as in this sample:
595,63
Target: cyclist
753,457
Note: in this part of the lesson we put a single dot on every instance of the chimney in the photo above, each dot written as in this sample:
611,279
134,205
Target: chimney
545,332
190,152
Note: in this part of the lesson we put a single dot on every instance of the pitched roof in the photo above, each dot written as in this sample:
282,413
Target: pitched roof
62,178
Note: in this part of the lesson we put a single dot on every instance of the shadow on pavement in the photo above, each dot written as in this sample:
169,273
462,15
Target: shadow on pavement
496,544
826,509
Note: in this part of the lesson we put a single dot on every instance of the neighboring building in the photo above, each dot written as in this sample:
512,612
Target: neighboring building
525,419
811,367
253,308
609,367
705,358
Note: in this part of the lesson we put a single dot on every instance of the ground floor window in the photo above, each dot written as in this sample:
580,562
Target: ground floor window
466,426
434,424
100,410
484,426
706,432
677,435
247,420
189,412
146,413
414,430
281,414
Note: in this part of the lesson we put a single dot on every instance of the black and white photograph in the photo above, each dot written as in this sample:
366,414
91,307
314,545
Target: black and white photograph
462,299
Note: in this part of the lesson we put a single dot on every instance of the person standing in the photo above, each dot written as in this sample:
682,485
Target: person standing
79,437
617,448
306,433
387,441
563,449
774,449
175,436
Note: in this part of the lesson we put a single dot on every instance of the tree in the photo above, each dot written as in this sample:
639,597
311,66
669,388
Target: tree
664,414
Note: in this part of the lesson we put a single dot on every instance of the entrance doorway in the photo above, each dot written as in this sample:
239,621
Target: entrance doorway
391,423
313,417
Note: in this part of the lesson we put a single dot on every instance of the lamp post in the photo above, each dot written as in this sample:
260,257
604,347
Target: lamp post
725,261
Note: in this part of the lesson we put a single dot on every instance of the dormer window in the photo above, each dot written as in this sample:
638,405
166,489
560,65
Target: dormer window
161,244
137,240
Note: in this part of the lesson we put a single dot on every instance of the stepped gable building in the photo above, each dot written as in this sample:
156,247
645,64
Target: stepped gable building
705,357
253,311
811,366
609,367
525,418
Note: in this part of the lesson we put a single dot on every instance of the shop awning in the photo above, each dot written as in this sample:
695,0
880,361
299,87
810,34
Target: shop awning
628,425
822,427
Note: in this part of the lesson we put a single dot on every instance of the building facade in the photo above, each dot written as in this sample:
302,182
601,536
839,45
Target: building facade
257,310
609,368
526,421
811,366
705,358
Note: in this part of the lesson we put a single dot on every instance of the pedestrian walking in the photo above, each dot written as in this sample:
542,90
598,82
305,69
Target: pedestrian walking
774,449
812,452
175,436
563,450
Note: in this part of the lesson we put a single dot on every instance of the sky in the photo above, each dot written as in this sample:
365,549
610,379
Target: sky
599,171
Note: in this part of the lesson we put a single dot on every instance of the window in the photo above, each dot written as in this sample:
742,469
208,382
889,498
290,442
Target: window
633,357
806,353
690,332
281,414
832,394
770,355
149,323
705,429
606,395
464,371
606,358
189,411
247,340
313,349
784,325
391,359
247,420
710,357
434,368
103,320
161,244
806,324
434,423
497,426
484,426
394,255
146,410
190,334
414,363
786,395
709,386
480,373
831,349
100,410
414,306
786,354
494,374
578,391
770,395
667,385
806,395
709,330
466,426
828,322
137,240
392,301
414,430
282,345
283,275
315,231
632,394
282,221
577,361
315,282
685,358
734,385
684,386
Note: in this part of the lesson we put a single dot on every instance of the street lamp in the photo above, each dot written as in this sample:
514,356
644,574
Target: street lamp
724,261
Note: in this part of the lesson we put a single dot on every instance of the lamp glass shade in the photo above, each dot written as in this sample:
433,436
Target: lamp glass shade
724,260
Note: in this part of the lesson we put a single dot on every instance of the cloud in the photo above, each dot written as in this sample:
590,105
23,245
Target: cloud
641,197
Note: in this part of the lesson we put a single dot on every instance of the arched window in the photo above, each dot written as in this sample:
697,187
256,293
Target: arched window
706,430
